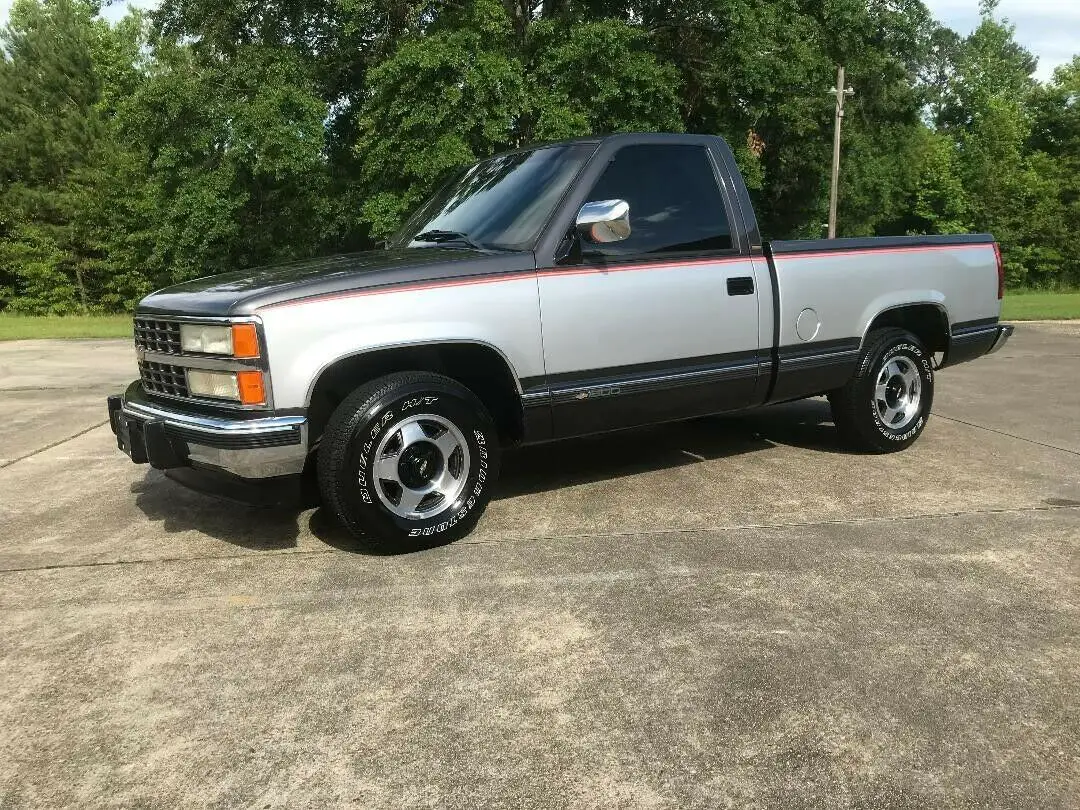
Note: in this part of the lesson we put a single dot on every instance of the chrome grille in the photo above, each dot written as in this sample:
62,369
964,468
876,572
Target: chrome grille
157,336
161,378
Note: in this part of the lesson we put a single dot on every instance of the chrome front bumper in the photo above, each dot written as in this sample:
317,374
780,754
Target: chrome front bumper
167,437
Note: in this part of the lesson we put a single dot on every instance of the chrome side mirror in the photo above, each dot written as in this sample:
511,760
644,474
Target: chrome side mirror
604,221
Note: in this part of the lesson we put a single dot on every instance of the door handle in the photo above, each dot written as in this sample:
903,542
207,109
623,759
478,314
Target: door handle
740,285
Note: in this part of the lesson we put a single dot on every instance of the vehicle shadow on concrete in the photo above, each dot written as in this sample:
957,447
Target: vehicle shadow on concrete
179,509
805,424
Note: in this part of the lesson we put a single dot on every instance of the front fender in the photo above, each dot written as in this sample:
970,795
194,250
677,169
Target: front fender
306,339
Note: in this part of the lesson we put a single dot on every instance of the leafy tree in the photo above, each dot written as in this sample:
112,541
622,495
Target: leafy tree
986,111
232,152
217,134
467,85
1056,134
941,203
50,122
576,88
758,74
439,101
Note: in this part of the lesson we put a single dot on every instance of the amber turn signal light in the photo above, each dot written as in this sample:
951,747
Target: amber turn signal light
250,385
245,340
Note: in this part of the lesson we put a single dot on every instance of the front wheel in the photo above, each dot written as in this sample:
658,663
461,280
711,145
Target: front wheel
884,407
408,461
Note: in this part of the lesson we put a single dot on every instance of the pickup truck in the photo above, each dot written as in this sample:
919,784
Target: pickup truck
542,294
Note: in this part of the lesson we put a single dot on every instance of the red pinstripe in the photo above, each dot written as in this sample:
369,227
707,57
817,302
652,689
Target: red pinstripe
593,270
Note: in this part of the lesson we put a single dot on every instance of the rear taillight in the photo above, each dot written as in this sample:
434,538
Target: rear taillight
1001,271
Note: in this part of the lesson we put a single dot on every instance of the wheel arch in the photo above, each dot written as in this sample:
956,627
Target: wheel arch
479,366
928,320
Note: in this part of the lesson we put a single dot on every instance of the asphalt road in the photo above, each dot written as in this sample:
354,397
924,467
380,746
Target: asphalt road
727,613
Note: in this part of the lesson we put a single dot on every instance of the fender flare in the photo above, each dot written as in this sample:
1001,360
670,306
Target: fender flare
409,345
936,301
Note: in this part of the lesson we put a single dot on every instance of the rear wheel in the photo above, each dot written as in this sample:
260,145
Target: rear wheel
884,407
408,461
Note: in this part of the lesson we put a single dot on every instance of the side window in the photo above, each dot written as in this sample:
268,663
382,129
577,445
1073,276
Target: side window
675,203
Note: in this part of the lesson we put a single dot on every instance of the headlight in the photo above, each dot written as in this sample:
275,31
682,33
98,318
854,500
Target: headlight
245,387
217,384
237,340
206,339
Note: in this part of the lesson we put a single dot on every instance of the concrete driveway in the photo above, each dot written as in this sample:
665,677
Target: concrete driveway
723,613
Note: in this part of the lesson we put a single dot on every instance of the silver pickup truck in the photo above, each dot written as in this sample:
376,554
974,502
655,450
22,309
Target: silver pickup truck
542,294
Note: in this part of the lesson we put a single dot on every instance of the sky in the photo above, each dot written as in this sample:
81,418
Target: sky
1050,29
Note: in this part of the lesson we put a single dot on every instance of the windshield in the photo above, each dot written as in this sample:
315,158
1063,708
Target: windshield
500,203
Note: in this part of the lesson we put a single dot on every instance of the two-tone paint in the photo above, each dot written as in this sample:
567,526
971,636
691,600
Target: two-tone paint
601,346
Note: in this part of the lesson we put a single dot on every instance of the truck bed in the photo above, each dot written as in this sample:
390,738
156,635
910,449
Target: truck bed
826,293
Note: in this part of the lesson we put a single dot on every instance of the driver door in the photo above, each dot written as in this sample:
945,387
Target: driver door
662,325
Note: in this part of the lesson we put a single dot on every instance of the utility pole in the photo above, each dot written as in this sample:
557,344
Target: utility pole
841,93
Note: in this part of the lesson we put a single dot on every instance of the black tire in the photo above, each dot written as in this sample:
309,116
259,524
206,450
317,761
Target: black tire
857,410
366,418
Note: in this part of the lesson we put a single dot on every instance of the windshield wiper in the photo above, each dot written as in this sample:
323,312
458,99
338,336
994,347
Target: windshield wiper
441,237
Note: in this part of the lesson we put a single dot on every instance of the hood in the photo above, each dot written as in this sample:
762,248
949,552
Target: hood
242,292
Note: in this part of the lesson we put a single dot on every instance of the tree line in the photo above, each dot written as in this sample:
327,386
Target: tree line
211,135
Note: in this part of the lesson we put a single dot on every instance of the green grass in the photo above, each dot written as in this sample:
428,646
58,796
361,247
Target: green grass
32,327
1025,305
